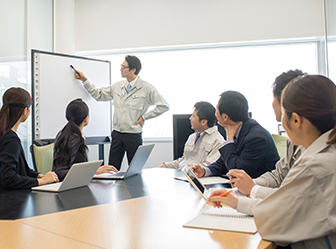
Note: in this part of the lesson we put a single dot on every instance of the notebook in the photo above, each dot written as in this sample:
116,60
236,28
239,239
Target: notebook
79,175
224,218
138,162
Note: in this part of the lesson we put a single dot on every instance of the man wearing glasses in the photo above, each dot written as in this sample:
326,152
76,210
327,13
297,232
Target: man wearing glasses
131,99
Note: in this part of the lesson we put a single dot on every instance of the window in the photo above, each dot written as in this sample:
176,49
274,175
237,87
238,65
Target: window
332,59
13,65
19,18
13,74
184,77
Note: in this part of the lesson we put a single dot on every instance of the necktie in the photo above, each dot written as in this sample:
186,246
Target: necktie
197,137
129,86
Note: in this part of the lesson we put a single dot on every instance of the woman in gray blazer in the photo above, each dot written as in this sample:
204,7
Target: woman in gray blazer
302,211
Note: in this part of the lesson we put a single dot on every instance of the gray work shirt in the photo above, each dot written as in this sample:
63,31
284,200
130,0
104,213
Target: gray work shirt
129,107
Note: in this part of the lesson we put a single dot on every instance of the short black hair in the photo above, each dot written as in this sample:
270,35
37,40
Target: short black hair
206,111
234,104
133,63
282,81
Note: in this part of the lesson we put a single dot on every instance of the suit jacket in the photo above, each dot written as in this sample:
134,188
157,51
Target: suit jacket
14,170
254,151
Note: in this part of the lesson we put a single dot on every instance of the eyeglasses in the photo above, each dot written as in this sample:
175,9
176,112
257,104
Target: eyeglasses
123,67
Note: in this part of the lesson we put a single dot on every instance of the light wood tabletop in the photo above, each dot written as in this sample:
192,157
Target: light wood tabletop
142,223
16,235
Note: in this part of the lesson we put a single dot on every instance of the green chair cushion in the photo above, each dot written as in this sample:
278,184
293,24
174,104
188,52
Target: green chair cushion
43,156
281,144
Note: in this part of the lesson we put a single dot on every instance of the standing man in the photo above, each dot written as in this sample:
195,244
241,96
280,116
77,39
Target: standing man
202,146
248,145
131,99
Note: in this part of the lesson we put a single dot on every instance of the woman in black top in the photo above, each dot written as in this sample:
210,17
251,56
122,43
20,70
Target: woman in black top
70,145
14,170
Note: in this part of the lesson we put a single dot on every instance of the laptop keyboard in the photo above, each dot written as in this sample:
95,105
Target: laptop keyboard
119,174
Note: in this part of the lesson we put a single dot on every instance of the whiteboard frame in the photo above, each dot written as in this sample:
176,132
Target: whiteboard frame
35,74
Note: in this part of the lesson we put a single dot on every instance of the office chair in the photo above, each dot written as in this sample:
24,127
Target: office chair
281,144
43,157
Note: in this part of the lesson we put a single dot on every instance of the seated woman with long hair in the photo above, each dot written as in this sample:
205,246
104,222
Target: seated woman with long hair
14,170
302,212
70,144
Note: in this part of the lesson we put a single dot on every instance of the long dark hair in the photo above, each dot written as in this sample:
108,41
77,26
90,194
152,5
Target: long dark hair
313,97
15,100
76,112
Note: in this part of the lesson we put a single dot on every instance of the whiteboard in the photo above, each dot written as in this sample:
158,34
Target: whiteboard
54,86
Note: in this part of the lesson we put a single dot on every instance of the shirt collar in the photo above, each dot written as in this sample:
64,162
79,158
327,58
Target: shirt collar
319,144
238,132
132,82
210,130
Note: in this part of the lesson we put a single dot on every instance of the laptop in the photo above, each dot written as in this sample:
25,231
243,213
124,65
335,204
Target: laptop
138,162
79,175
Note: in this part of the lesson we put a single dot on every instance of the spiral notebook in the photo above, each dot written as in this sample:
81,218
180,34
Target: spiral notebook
224,218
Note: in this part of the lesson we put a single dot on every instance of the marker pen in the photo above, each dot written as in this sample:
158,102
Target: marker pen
74,69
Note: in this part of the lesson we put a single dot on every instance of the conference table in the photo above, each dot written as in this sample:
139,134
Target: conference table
144,211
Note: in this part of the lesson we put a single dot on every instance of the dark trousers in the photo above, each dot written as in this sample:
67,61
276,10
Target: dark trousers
120,143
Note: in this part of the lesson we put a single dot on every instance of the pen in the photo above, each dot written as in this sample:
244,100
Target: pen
221,195
74,69
226,193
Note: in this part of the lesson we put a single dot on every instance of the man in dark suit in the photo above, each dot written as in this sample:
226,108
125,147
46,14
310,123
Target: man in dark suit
248,145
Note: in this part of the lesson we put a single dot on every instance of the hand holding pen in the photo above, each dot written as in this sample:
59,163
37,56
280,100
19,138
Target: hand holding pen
223,196
79,75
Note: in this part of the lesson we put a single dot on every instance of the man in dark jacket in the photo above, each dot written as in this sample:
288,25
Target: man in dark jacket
248,145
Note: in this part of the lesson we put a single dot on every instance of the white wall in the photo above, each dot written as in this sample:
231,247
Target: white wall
111,24
64,26
39,25
331,17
